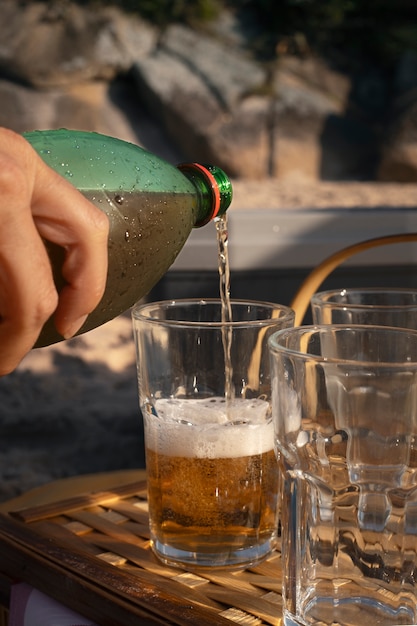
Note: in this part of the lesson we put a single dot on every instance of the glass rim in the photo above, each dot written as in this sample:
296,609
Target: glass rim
319,297
277,348
139,309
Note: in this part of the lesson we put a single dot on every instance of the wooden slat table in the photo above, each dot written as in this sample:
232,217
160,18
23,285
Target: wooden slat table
91,552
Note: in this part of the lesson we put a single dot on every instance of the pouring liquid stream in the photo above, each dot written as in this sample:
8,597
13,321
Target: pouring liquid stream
226,308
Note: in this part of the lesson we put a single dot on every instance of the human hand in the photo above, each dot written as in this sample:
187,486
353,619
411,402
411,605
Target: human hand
37,204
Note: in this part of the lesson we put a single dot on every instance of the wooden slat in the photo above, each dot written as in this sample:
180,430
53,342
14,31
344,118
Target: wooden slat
4,617
151,570
72,590
76,503
55,561
258,606
5,583
99,544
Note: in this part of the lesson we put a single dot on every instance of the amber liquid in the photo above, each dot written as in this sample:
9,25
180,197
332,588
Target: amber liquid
213,478
212,485
210,505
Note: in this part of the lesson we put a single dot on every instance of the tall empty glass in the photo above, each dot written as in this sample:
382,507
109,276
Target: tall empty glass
378,306
345,416
205,394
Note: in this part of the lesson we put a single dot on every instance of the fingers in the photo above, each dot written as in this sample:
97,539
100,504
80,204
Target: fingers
27,292
63,216
35,205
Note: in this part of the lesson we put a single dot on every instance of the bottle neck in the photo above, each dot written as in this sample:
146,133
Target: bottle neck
213,188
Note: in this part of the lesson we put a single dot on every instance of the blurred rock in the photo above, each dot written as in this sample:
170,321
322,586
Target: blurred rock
206,101
399,147
300,109
399,153
55,44
96,68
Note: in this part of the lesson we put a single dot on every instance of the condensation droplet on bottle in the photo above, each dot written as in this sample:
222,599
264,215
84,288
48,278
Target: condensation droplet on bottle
118,198
69,174
127,235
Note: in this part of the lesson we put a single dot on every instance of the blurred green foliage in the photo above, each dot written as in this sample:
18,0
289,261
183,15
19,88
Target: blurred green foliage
163,12
349,30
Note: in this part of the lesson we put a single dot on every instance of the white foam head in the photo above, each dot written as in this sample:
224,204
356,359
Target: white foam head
208,428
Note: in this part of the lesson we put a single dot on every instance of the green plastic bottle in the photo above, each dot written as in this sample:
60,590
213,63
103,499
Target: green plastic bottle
152,207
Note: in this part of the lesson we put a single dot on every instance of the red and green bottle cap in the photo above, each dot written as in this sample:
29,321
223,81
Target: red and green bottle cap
220,185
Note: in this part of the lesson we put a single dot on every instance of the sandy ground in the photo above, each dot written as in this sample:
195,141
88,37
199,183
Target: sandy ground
71,409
